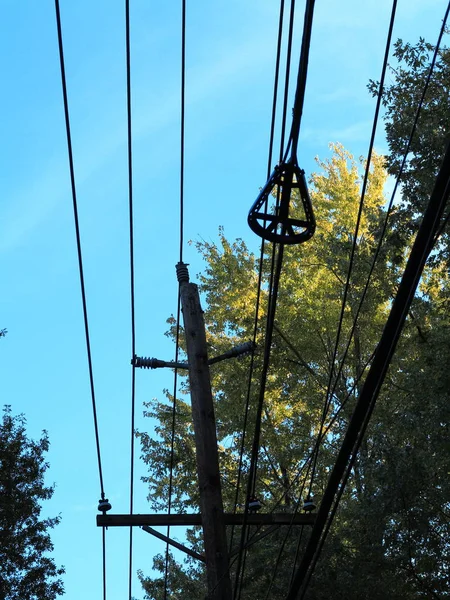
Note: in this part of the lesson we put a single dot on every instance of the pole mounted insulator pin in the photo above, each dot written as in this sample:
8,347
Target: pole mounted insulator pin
182,272
142,362
104,505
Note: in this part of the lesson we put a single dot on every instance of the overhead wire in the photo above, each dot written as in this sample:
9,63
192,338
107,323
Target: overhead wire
244,532
393,194
78,240
433,235
305,464
80,269
423,244
181,246
132,298
276,268
260,269
328,395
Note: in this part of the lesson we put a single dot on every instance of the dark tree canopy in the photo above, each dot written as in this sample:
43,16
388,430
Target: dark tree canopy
427,147
27,570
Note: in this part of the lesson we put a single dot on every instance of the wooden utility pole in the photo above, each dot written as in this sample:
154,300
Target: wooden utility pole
211,505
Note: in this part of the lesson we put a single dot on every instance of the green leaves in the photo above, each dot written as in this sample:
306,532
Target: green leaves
389,538
26,570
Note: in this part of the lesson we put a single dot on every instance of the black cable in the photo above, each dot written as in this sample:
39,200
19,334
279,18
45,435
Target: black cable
182,124
132,302
286,537
427,250
355,237
172,439
263,381
301,80
262,252
287,77
78,238
181,234
275,91
275,276
421,249
391,201
261,264
306,463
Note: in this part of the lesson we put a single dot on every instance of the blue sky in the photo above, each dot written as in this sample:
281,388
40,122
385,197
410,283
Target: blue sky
230,61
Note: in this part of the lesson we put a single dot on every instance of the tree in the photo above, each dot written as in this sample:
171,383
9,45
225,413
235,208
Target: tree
26,569
390,535
432,135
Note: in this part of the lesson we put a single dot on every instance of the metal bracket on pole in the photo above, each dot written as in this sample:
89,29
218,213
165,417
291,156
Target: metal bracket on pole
173,543
143,362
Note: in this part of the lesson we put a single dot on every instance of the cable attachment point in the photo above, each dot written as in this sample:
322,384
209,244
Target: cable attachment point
142,362
182,272
104,505
290,219
308,504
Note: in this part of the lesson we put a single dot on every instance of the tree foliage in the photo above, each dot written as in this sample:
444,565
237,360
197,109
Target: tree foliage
390,536
26,567
401,99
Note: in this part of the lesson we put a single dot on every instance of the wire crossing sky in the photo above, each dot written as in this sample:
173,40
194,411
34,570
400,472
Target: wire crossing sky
230,62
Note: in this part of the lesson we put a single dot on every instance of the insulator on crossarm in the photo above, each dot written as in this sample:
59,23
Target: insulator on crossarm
142,362
182,272
104,505
308,504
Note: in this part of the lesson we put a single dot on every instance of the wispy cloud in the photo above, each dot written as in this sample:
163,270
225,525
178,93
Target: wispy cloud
35,201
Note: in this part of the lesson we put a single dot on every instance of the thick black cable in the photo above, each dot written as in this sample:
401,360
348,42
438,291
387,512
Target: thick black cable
301,80
132,302
420,251
258,419
262,252
182,123
276,277
286,537
307,461
355,237
365,424
275,92
391,201
172,439
78,239
181,235
261,265
287,78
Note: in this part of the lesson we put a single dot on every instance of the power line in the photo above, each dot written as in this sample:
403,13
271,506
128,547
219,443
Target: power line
278,252
420,251
262,251
81,273
261,258
328,395
78,240
391,201
133,327
181,244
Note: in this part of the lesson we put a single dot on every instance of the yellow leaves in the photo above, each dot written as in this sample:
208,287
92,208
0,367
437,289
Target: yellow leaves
337,191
